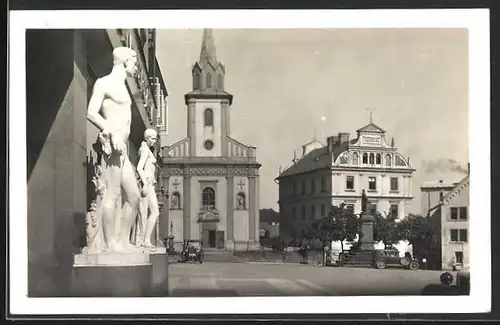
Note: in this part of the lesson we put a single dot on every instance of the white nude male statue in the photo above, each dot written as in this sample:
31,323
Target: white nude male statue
146,169
109,110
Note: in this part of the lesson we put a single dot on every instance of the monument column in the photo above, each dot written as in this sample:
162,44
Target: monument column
230,208
186,229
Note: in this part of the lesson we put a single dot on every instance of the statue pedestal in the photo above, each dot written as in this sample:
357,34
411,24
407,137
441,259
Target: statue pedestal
112,275
367,243
159,260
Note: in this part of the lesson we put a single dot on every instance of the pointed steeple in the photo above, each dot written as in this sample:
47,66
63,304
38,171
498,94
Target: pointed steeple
208,53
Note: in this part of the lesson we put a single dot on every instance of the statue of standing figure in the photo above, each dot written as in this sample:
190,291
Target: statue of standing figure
109,110
146,168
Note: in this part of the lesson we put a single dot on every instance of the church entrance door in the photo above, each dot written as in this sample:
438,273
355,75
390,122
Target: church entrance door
211,238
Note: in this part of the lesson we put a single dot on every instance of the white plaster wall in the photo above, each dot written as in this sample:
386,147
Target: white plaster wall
207,133
241,230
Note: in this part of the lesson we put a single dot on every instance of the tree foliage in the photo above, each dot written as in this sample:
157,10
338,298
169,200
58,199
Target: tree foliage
421,232
386,229
341,224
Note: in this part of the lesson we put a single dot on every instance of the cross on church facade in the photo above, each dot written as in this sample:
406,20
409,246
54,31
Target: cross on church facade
241,184
176,184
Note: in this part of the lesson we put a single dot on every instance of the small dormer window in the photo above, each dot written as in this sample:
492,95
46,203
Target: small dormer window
372,159
388,160
365,158
379,159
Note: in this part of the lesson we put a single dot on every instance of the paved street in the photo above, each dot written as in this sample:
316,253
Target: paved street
247,279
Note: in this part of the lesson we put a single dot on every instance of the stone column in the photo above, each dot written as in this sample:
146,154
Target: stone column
186,229
230,208
225,127
191,127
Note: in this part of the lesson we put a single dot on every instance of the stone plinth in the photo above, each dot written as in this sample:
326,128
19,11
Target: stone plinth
112,275
159,260
366,239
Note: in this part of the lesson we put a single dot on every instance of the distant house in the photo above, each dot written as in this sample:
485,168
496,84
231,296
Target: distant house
451,211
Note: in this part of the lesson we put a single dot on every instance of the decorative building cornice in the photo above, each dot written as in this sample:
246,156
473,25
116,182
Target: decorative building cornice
202,170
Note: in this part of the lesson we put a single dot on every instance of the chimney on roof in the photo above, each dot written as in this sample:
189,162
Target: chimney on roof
441,193
331,142
343,137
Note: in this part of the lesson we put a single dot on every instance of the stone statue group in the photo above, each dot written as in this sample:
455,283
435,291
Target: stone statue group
123,216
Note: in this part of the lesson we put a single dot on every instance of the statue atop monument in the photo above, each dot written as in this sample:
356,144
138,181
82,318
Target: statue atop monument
109,110
364,201
146,168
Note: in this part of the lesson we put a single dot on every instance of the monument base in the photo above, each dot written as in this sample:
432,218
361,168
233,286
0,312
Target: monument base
112,275
159,260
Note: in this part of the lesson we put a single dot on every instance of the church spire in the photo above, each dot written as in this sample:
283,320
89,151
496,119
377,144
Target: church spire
208,53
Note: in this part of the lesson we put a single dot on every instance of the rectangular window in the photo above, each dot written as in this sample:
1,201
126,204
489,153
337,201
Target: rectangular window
394,184
453,213
323,185
294,189
372,183
303,213
313,186
459,257
349,183
462,235
394,210
313,212
453,234
303,187
462,213
458,235
294,214
323,210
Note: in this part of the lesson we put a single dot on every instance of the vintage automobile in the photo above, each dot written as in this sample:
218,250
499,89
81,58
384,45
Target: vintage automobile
192,251
391,257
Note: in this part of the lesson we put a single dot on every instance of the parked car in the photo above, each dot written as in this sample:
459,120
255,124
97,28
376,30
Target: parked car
390,257
192,251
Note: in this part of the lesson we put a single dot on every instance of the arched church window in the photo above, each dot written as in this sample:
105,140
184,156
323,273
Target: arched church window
208,198
175,201
388,160
240,201
209,80
379,159
209,117
365,158
355,158
372,159
220,81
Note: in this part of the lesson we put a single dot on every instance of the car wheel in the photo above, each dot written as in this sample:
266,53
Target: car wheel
380,264
413,265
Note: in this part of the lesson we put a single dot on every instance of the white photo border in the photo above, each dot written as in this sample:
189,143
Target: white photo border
477,22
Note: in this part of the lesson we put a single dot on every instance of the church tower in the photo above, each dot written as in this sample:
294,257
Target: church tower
208,104
213,179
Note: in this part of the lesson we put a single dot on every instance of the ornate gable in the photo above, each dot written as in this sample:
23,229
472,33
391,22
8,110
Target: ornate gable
371,128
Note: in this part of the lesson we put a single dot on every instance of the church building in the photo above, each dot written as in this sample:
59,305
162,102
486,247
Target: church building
212,179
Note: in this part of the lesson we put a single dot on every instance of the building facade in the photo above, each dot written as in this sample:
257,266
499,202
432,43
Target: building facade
62,67
213,179
452,212
337,172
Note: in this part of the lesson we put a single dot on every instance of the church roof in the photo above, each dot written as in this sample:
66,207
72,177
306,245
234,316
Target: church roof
208,53
372,127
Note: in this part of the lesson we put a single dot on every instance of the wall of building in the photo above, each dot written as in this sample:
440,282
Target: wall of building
56,145
204,133
448,247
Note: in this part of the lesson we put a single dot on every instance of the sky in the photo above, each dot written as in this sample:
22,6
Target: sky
290,85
